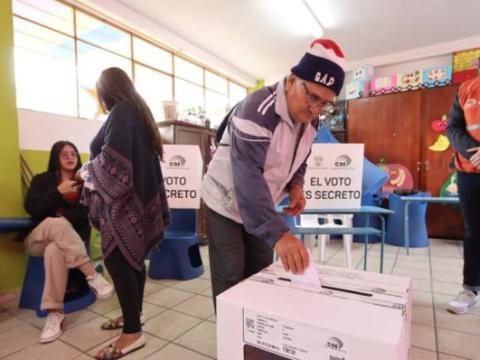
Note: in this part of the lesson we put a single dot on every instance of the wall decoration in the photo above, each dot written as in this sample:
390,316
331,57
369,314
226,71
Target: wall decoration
441,144
449,187
364,72
439,125
383,85
466,65
437,76
357,89
410,81
399,177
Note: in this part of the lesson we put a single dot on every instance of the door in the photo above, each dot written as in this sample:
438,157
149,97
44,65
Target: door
389,127
442,220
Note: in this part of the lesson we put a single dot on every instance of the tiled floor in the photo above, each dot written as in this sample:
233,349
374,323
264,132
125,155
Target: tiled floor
181,322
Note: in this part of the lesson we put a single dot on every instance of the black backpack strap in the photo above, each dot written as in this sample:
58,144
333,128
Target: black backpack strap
223,126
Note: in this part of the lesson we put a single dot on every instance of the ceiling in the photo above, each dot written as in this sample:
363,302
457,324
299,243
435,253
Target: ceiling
260,38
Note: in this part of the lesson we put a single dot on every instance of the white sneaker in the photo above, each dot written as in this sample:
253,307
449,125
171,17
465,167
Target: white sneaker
53,327
464,300
102,288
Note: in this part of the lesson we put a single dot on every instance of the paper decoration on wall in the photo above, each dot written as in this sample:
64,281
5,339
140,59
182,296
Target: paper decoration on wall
437,76
449,187
399,177
440,124
465,65
441,144
410,81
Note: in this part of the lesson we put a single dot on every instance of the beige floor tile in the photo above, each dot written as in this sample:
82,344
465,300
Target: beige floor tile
18,338
8,321
195,285
201,338
449,357
413,257
421,354
437,260
175,352
153,345
466,323
458,344
38,351
78,317
103,306
422,285
213,318
170,324
449,252
29,316
149,311
450,278
89,334
447,269
422,315
423,337
84,357
207,292
198,306
163,282
424,266
206,273
446,288
169,297
413,273
151,287
422,298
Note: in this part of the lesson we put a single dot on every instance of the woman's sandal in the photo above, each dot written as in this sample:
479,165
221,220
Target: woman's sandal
111,352
117,323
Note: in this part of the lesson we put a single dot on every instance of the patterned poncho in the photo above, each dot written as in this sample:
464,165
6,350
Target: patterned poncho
128,205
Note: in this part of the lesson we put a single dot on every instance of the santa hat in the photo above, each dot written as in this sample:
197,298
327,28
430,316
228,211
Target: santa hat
322,64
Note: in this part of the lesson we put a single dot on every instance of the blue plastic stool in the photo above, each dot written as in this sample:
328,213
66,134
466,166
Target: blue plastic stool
32,290
178,255
374,221
417,227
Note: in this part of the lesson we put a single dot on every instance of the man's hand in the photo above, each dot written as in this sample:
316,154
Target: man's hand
475,159
296,201
292,253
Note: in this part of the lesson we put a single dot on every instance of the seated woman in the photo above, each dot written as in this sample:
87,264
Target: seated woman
61,223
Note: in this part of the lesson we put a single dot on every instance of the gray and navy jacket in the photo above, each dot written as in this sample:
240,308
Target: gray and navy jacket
261,155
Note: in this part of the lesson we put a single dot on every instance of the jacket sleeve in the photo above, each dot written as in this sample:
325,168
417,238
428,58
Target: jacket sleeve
249,143
457,130
42,200
111,170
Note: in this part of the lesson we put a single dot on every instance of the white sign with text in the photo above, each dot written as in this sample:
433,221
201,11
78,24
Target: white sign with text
182,173
334,176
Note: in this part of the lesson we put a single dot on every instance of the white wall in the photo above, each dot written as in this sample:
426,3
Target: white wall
39,131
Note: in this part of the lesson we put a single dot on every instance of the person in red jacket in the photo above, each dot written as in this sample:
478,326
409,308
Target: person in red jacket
463,131
61,228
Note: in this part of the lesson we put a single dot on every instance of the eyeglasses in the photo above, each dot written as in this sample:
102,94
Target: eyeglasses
66,155
314,100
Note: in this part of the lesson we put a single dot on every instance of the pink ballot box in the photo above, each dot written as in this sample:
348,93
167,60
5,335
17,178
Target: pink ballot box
351,315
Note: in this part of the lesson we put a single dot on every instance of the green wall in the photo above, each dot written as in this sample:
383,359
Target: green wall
12,257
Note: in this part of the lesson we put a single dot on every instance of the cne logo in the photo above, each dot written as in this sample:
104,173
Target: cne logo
334,343
177,161
343,161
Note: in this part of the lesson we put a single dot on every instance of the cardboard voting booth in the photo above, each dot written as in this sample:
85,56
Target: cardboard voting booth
351,315
182,173
334,176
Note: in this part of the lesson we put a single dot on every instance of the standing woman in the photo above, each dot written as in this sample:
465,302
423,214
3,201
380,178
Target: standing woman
126,198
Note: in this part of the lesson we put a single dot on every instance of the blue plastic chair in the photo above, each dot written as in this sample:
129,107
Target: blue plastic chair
178,255
396,222
33,285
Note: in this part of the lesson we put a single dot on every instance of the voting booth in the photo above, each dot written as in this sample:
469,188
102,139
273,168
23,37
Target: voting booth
178,255
349,315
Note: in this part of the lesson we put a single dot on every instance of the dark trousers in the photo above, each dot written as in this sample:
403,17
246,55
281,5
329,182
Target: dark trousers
129,285
469,194
234,253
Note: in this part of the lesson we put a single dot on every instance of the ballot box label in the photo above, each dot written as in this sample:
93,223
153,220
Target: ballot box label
292,340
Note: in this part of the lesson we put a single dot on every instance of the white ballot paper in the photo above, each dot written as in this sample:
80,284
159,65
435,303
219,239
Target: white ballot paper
309,278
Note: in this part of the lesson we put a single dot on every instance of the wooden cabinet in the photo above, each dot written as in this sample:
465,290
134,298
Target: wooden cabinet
397,127
177,132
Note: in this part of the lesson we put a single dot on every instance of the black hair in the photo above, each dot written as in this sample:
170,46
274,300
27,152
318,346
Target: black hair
54,161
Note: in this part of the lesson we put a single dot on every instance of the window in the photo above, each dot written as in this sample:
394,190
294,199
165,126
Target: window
51,13
215,107
155,88
61,50
91,62
44,69
236,93
189,97
189,71
216,82
152,55
103,35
